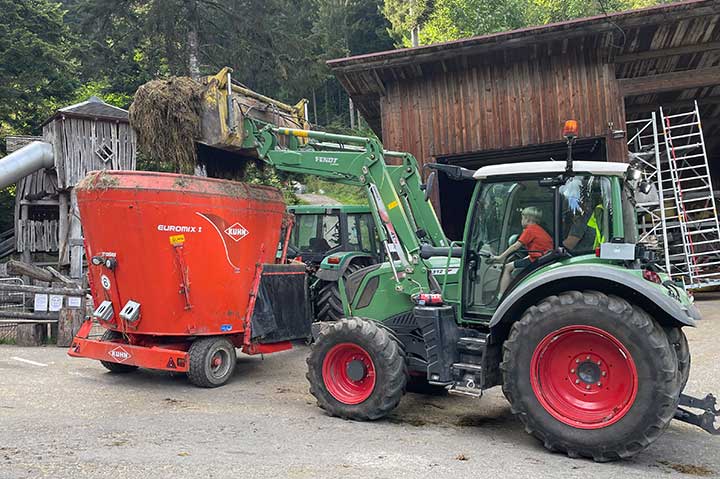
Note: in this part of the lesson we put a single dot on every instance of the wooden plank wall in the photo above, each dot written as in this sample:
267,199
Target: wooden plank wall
81,138
503,100
37,236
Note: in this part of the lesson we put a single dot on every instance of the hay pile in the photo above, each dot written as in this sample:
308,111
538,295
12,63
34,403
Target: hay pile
166,114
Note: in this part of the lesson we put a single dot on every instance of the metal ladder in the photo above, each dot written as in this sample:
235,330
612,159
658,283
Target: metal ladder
645,147
683,175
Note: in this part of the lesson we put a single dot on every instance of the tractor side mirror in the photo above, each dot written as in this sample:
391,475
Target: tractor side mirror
429,185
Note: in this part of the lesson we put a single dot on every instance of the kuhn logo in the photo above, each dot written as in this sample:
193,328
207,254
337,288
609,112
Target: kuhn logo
119,354
236,231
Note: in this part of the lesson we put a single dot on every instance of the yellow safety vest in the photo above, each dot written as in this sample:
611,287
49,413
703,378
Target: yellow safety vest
592,223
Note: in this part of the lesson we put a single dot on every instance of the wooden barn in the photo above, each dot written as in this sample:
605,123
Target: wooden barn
91,135
504,97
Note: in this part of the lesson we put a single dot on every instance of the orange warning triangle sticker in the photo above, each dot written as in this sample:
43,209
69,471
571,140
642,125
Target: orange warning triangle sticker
171,364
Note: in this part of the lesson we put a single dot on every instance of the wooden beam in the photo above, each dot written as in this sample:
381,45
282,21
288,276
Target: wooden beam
670,81
667,52
27,317
17,288
709,100
26,269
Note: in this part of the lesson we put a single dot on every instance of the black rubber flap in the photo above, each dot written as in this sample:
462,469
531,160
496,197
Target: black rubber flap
282,310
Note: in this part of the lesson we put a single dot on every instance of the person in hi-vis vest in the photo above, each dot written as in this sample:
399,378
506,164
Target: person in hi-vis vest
586,236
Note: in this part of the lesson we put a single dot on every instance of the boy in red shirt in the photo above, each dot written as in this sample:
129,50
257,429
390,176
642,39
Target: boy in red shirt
533,238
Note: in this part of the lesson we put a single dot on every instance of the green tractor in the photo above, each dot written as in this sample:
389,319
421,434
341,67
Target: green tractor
333,241
548,296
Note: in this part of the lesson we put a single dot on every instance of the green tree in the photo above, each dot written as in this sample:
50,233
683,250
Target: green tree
408,17
547,11
37,70
444,20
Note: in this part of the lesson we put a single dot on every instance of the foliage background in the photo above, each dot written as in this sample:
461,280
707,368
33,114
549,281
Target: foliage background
55,53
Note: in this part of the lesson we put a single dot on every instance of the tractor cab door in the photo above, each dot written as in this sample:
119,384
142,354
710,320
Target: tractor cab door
362,236
495,225
586,221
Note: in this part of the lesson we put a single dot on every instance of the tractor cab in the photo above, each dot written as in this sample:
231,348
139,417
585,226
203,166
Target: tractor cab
564,217
320,231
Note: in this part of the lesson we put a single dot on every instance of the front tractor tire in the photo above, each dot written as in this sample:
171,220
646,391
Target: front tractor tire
357,370
591,375
328,303
212,362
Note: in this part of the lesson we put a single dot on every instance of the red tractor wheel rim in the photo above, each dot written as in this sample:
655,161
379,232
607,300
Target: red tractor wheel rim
584,377
348,373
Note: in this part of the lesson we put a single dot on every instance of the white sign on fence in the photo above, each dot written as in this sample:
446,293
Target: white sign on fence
56,302
41,303
74,302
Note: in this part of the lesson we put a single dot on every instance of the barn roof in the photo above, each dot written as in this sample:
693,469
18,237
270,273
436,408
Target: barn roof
94,109
664,56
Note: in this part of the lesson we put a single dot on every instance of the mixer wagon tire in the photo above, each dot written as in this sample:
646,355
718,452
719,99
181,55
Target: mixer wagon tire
117,368
591,375
328,304
212,362
356,370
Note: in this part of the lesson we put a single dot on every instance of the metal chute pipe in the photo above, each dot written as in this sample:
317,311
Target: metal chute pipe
24,161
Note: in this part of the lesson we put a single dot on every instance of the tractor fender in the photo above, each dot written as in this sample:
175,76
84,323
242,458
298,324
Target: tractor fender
655,299
333,272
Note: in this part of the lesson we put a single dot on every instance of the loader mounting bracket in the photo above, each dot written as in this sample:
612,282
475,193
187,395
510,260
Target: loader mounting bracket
707,419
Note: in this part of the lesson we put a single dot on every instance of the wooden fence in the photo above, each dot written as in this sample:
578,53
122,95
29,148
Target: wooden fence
61,307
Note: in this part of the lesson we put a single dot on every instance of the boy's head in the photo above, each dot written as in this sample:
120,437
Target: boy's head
530,215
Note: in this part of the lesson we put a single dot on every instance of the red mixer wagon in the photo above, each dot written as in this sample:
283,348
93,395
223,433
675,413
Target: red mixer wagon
182,272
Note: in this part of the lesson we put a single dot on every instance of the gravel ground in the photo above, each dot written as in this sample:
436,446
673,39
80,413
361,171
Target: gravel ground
64,417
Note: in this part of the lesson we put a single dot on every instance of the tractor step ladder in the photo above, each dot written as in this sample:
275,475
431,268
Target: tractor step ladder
684,177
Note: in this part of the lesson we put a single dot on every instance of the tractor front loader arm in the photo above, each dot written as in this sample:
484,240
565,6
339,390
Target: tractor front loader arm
363,164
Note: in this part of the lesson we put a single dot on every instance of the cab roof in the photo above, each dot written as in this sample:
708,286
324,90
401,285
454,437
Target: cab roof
540,167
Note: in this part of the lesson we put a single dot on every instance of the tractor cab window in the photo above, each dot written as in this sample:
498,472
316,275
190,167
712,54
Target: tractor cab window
360,233
316,233
586,214
500,219
522,213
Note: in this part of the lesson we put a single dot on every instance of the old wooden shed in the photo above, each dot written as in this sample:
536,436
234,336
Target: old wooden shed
504,97
87,136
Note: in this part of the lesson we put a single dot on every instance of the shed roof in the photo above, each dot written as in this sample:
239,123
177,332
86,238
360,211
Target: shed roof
680,39
93,108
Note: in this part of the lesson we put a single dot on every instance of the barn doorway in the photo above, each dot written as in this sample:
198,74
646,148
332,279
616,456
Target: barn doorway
455,196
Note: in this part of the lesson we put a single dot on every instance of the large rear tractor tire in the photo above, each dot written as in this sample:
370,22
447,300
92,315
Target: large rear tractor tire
328,304
591,375
682,350
357,370
116,368
212,362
